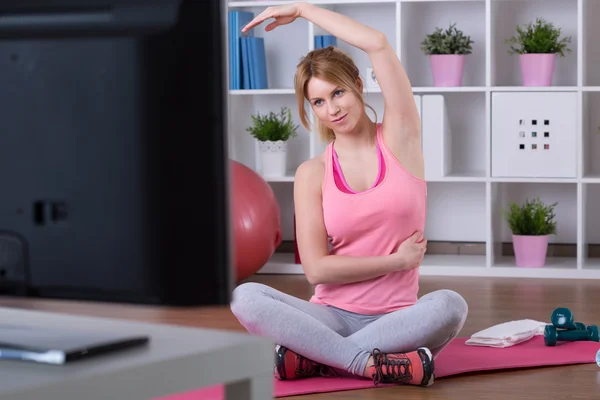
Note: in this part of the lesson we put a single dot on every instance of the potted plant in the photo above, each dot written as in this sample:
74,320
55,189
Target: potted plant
531,223
272,131
447,50
538,44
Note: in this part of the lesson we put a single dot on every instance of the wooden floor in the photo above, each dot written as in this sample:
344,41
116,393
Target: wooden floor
491,301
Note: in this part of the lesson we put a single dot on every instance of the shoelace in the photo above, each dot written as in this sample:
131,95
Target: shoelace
396,369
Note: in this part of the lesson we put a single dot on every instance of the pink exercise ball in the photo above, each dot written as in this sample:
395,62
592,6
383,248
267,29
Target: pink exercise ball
256,220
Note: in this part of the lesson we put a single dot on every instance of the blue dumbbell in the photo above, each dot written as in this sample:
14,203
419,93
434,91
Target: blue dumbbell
552,335
562,318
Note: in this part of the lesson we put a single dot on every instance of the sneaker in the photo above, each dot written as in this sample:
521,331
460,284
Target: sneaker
414,368
290,365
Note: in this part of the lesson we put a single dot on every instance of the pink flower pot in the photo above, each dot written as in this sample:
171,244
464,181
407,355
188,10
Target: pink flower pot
530,251
447,69
537,69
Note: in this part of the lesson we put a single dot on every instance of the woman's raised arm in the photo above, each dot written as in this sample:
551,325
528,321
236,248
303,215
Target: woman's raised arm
401,118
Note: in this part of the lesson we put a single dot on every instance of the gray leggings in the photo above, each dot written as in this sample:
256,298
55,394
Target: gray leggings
344,340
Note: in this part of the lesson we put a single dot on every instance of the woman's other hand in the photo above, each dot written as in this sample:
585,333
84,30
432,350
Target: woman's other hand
283,15
410,252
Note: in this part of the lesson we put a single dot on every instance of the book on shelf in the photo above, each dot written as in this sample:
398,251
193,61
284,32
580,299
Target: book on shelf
247,56
237,20
322,41
254,63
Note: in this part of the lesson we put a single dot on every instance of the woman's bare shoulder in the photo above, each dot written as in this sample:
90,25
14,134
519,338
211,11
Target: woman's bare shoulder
310,174
312,168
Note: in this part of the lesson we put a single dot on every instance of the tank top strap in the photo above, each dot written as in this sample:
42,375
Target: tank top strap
382,148
386,153
379,136
328,166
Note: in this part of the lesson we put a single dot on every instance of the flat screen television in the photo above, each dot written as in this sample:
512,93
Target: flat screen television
113,141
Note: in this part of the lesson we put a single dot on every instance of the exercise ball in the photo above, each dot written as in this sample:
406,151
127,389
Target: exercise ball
256,220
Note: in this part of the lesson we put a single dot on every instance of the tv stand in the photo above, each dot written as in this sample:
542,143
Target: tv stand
177,359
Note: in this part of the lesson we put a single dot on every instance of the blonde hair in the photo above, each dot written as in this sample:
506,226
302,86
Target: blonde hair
333,65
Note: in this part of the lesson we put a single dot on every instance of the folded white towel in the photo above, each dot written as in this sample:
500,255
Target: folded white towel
507,334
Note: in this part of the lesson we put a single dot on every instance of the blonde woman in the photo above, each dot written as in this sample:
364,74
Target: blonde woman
365,196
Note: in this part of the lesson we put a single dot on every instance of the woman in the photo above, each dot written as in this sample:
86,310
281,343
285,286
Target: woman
365,197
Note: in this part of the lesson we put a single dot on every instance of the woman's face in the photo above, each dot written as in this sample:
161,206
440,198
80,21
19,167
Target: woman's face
336,107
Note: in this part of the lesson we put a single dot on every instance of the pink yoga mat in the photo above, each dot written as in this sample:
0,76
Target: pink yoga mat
457,358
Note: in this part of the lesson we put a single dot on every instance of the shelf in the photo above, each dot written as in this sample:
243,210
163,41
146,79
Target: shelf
591,178
590,241
506,15
566,210
419,19
534,88
535,180
245,147
283,263
591,134
452,144
569,263
462,129
462,177
267,3
464,265
456,212
434,89
287,178
592,264
449,89
253,92
290,91
556,268
590,45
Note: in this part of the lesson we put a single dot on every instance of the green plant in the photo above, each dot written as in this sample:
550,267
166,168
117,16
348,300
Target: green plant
273,126
541,37
449,41
532,218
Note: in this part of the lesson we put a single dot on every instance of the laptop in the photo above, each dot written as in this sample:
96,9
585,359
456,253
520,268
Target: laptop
61,346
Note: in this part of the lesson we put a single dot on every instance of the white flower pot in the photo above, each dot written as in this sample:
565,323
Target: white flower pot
273,157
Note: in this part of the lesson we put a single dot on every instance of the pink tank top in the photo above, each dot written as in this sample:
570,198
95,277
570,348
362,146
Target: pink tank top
338,175
372,223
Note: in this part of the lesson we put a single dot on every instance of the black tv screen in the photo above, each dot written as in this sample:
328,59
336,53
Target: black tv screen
114,173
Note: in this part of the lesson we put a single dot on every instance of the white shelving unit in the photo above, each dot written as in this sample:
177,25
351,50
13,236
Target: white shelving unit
465,205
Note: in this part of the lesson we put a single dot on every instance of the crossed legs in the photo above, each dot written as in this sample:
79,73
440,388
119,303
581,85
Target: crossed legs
345,341
312,330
